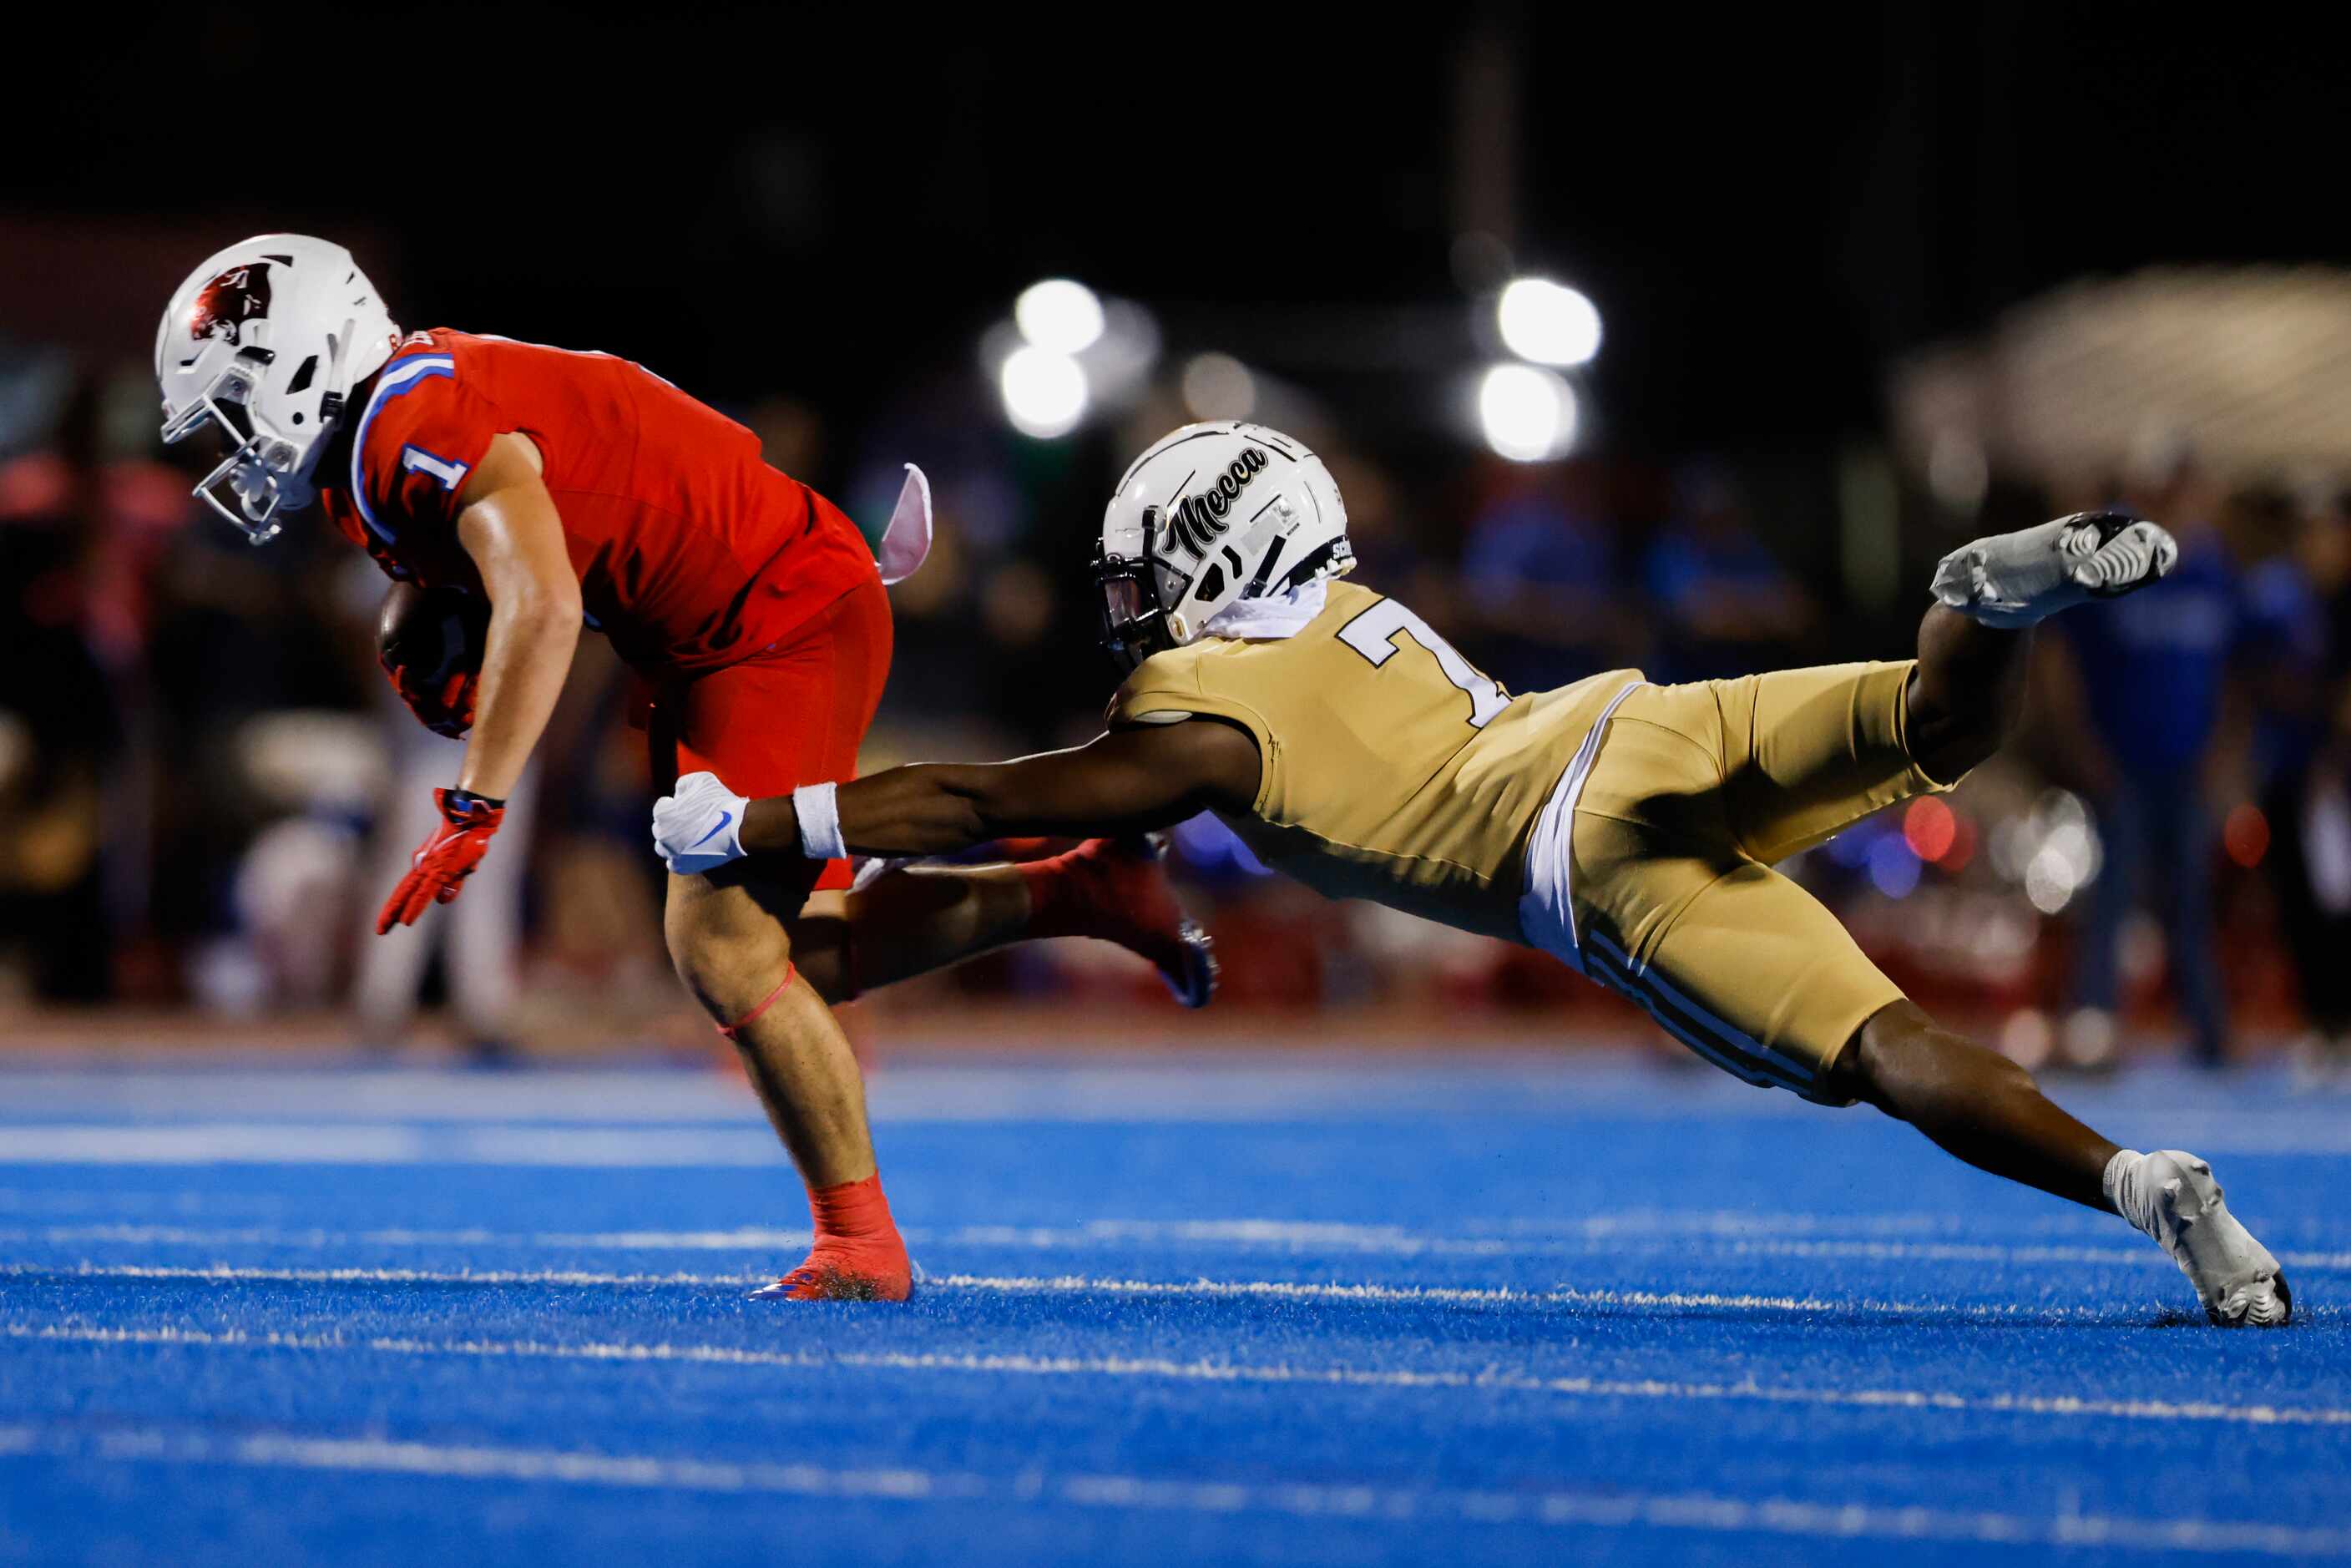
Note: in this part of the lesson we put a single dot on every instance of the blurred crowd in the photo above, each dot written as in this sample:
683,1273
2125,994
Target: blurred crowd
205,785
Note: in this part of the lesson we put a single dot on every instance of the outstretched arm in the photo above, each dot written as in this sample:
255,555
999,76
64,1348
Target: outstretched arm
1127,781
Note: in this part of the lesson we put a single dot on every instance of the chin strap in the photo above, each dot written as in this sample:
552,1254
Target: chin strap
330,405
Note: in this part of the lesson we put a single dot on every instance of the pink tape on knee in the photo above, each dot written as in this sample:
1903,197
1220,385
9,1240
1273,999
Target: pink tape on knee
728,1030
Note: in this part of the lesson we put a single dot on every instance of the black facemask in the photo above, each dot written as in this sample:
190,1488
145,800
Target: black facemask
1134,622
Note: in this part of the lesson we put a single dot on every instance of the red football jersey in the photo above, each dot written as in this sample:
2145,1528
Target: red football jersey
691,552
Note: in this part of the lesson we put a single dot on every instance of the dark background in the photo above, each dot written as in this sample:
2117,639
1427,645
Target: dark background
813,217
1768,207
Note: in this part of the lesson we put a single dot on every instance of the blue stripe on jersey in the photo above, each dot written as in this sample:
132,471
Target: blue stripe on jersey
398,377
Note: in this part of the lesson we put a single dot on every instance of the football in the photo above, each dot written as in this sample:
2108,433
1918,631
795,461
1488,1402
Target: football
433,633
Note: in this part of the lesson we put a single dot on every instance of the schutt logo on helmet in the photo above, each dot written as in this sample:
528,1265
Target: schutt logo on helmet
224,305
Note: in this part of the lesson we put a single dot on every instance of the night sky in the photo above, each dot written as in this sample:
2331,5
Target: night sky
1766,209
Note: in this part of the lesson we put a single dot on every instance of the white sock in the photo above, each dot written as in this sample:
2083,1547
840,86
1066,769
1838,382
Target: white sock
2124,1192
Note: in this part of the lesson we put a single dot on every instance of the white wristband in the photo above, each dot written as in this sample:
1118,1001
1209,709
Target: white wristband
819,817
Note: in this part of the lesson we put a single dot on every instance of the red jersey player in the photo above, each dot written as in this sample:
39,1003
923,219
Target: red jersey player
577,488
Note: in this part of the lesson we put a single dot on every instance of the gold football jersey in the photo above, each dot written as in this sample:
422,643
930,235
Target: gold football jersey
1392,768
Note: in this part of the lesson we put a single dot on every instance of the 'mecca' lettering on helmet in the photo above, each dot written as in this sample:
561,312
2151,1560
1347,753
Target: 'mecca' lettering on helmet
1202,516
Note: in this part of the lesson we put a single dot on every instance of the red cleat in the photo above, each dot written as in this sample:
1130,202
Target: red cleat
858,1255
839,1271
1116,890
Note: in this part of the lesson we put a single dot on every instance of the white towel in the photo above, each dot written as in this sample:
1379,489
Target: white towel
1280,615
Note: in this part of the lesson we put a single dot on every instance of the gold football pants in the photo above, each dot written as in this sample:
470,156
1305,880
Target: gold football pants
1695,791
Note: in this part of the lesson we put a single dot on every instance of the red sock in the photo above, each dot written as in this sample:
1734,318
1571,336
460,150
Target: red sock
1054,910
1120,892
854,1212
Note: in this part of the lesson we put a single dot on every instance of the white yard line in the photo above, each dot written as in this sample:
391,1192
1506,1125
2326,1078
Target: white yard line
752,1239
1632,1221
1209,1370
618,1144
224,1274
1601,1238
205,1143
1212,1087
1084,1284
1694,1511
386,1144
1563,1296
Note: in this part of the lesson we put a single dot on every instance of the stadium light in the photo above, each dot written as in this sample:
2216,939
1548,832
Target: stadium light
1060,315
1217,386
2053,849
1548,323
1527,414
1044,392
1120,362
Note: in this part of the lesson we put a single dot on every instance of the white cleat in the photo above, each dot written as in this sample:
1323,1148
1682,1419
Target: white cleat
2012,580
2171,1195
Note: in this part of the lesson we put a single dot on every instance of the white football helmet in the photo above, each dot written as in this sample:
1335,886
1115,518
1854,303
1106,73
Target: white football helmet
266,338
1211,514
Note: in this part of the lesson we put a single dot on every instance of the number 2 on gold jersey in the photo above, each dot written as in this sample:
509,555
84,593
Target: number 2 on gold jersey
1373,634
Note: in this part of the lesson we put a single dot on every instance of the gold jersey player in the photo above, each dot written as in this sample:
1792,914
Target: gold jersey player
1628,828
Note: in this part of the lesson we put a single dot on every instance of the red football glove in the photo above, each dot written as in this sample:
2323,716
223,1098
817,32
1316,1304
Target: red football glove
446,711
445,859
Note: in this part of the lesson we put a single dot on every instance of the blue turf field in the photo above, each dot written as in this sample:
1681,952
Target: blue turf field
1328,1311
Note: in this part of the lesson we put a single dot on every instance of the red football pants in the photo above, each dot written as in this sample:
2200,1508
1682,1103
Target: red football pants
794,713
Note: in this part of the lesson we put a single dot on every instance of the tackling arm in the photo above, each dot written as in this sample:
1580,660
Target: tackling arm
1129,780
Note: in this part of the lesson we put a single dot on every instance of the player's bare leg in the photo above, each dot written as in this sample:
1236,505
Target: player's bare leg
734,954
1973,1102
907,921
914,919
1966,695
1980,1107
1966,692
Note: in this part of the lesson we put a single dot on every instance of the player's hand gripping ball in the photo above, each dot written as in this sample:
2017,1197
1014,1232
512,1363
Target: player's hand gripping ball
430,643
